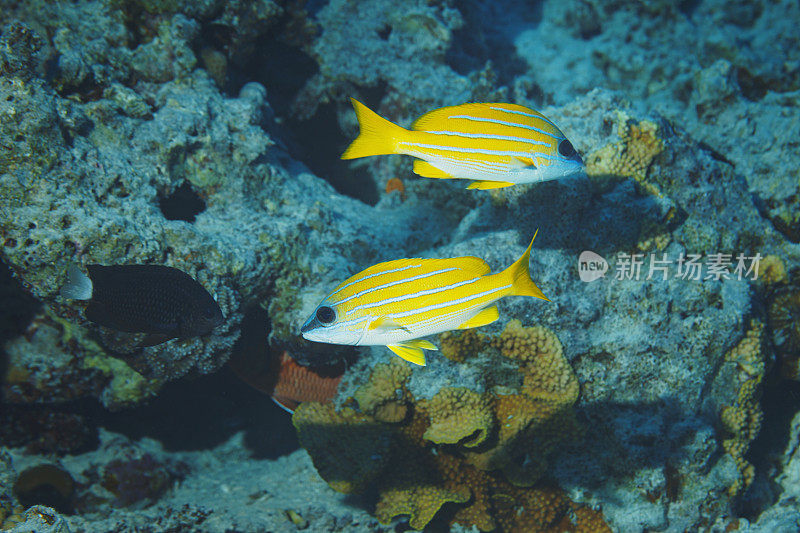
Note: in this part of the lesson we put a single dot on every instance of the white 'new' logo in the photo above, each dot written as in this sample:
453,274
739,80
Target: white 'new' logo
591,266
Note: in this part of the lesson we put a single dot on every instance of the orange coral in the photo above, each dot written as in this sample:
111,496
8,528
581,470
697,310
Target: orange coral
459,415
632,155
384,394
742,420
483,453
348,449
540,412
396,184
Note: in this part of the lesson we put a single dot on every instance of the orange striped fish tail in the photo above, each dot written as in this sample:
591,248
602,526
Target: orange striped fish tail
520,276
378,136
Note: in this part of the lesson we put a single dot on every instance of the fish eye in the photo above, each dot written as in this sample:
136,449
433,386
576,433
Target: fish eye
209,312
565,148
325,314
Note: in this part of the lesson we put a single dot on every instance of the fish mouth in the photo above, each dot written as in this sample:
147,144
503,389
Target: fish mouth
307,327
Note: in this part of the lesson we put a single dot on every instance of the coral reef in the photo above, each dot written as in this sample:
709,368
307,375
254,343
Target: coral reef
39,518
742,420
206,136
631,156
459,446
113,160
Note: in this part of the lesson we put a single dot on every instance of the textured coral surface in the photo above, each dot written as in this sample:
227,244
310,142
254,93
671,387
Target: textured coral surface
478,455
205,135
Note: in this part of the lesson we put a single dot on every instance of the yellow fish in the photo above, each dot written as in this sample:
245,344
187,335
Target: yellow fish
496,145
396,303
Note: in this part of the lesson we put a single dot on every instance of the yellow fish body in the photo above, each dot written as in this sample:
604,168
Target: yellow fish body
496,145
397,302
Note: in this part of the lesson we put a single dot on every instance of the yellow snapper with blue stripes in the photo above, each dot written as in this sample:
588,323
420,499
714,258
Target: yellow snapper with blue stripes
496,145
397,302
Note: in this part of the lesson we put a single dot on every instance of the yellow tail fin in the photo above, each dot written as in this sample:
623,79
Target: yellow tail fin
523,285
378,136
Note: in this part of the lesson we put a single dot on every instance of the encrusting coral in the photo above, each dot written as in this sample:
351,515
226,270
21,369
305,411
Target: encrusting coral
742,420
541,411
482,452
459,415
631,156
384,395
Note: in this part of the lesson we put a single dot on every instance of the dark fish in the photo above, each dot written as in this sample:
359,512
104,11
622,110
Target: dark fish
153,299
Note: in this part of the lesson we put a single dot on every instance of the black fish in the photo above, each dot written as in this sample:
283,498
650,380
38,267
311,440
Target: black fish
153,299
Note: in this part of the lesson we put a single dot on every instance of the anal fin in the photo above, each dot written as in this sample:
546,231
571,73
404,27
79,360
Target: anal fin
484,317
484,185
420,343
426,170
411,350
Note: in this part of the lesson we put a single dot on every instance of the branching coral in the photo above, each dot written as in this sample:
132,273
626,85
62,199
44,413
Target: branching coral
384,395
632,155
532,421
459,415
742,420
481,452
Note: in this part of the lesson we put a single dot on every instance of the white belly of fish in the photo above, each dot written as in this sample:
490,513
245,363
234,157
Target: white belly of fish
440,324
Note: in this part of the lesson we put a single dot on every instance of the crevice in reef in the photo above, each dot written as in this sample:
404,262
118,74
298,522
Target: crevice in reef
780,402
183,204
321,151
18,308
481,39
317,141
201,413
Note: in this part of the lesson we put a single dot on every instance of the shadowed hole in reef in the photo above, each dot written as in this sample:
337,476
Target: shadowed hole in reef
202,413
183,204
779,403
317,142
17,309
479,40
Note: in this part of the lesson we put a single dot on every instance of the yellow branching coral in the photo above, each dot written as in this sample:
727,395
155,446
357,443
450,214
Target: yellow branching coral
632,155
415,487
742,420
772,270
384,395
458,345
534,420
481,452
547,374
459,415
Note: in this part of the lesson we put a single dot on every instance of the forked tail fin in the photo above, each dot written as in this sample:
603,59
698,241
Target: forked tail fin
378,136
520,276
78,285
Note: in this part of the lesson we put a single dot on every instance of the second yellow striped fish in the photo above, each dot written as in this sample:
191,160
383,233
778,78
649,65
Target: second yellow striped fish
398,302
495,145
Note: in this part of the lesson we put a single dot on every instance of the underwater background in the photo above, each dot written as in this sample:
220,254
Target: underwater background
657,390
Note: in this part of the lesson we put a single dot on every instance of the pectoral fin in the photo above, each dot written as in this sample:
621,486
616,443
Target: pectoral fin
483,185
519,164
411,350
386,324
426,170
485,316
